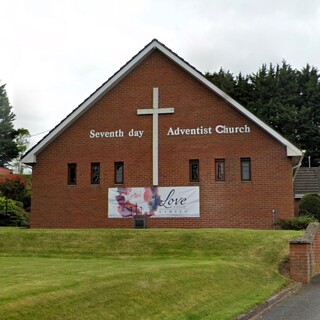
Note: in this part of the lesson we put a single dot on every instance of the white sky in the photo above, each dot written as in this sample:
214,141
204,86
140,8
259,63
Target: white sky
55,53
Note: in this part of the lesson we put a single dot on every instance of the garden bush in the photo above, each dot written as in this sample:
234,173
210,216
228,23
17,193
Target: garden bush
310,205
16,187
12,213
13,186
296,223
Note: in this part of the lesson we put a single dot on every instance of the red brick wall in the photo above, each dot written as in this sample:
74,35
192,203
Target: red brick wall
317,252
300,262
305,254
231,203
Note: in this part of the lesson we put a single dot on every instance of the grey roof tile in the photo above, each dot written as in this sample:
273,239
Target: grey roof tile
307,181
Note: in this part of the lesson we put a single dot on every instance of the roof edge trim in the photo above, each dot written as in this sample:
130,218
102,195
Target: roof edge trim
30,156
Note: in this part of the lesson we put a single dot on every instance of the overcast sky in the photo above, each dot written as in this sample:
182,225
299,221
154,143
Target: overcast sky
55,53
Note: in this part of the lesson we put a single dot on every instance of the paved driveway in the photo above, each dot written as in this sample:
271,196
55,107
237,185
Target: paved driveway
304,305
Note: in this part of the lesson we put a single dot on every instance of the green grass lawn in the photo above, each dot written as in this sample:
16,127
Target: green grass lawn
138,274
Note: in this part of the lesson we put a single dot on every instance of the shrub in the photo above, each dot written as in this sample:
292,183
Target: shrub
296,223
13,186
310,205
16,187
12,213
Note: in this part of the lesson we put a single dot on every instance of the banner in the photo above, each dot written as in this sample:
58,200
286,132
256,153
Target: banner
158,202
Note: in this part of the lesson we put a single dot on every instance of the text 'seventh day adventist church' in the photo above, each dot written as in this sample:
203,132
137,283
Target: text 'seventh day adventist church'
158,139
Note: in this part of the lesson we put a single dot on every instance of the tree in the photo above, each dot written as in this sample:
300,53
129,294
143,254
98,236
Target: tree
286,99
8,146
223,80
309,118
273,98
22,140
17,187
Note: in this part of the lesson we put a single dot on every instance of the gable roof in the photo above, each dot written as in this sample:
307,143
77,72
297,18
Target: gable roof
307,181
31,156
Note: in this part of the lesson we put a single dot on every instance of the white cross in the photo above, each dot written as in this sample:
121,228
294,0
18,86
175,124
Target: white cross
155,111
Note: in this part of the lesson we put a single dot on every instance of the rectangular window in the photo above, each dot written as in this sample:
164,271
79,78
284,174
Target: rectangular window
245,169
95,173
72,173
194,170
220,169
118,173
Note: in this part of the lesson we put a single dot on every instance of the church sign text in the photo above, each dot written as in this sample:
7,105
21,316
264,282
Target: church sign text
219,129
115,134
178,131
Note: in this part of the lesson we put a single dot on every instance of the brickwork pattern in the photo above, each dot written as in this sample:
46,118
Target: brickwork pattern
230,203
305,254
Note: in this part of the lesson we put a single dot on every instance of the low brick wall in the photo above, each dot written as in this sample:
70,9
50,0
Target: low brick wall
305,254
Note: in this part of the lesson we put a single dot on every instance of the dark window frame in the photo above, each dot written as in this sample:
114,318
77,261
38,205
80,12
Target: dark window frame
192,163
94,179
244,161
116,166
217,173
72,174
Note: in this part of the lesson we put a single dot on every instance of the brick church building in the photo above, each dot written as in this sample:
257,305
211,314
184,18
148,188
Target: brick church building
159,140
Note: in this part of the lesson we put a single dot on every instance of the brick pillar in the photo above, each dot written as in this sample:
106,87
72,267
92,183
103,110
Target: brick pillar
305,254
300,261
317,252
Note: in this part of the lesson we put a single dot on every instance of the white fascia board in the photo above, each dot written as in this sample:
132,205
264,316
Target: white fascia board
292,151
31,157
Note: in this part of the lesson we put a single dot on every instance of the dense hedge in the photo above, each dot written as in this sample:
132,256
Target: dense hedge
15,199
310,205
12,213
296,223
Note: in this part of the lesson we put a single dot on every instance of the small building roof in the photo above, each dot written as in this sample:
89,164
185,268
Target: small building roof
307,180
5,171
31,156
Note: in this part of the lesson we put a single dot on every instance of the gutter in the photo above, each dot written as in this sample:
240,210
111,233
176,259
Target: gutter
295,168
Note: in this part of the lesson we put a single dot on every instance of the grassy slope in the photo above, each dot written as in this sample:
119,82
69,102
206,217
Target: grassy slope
137,274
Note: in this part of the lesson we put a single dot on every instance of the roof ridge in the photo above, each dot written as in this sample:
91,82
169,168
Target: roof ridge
91,95
30,156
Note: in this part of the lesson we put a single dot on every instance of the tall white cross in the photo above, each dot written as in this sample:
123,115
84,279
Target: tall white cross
155,111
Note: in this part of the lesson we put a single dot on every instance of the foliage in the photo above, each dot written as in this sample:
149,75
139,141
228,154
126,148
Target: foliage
144,274
16,187
13,143
26,199
8,147
296,223
13,186
22,140
310,205
284,98
11,212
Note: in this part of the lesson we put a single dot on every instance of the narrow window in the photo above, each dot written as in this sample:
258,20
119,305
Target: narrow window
220,169
194,170
95,173
245,169
72,173
118,172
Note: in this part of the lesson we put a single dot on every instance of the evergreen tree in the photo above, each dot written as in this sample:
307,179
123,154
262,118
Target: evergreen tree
286,99
243,93
22,140
8,146
273,98
223,80
309,116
